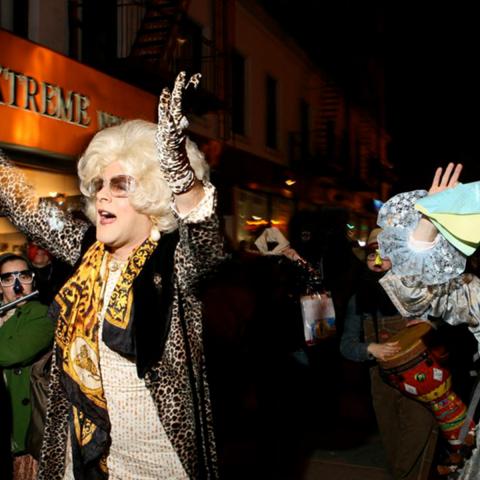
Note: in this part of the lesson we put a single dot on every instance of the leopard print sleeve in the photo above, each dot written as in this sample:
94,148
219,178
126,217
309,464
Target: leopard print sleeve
38,219
201,240
52,455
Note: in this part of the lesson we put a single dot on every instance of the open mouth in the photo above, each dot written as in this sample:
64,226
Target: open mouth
106,217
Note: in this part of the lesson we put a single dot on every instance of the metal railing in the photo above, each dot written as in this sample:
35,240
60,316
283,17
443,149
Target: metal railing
193,52
203,58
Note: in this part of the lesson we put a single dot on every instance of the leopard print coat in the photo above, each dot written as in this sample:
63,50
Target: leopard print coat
177,382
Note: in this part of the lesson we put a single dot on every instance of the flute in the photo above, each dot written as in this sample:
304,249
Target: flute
8,306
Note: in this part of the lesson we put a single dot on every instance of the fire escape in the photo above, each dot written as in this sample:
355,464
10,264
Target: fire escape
157,36
147,42
329,128
167,42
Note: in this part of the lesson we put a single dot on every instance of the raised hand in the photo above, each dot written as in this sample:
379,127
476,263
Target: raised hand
426,230
176,102
449,179
170,137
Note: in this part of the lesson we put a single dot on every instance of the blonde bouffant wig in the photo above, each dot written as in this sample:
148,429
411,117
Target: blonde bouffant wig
132,145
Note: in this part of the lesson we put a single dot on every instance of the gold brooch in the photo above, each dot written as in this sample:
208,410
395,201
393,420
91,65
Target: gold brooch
113,265
157,281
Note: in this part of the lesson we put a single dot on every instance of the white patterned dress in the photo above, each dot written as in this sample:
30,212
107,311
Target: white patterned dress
140,448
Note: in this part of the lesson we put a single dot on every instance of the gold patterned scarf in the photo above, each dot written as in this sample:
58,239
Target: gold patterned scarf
80,305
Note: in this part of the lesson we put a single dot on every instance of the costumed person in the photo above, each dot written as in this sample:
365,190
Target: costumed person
321,238
305,285
427,235
128,393
407,428
26,332
298,316
50,273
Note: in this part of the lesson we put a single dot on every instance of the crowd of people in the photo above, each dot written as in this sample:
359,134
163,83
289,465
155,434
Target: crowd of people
119,315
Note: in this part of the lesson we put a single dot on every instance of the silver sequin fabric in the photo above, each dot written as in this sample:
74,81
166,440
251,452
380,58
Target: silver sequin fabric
398,218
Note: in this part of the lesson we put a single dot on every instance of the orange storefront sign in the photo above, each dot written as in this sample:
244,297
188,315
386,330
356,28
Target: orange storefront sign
53,104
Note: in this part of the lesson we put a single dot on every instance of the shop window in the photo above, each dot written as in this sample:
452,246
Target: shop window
60,189
256,211
282,210
238,93
271,112
252,216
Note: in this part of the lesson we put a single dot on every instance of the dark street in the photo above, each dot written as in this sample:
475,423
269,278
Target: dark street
304,429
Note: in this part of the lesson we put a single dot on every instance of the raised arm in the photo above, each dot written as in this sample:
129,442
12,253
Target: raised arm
38,219
171,142
411,241
194,198
426,277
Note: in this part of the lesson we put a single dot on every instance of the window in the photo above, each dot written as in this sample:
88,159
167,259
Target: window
20,18
238,93
271,112
189,55
252,215
330,153
304,130
257,210
99,32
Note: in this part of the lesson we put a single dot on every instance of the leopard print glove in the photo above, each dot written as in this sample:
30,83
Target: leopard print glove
170,138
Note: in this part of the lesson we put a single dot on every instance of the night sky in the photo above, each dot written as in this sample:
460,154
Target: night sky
430,55
432,87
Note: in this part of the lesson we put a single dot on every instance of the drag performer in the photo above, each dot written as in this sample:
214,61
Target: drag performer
128,395
426,277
